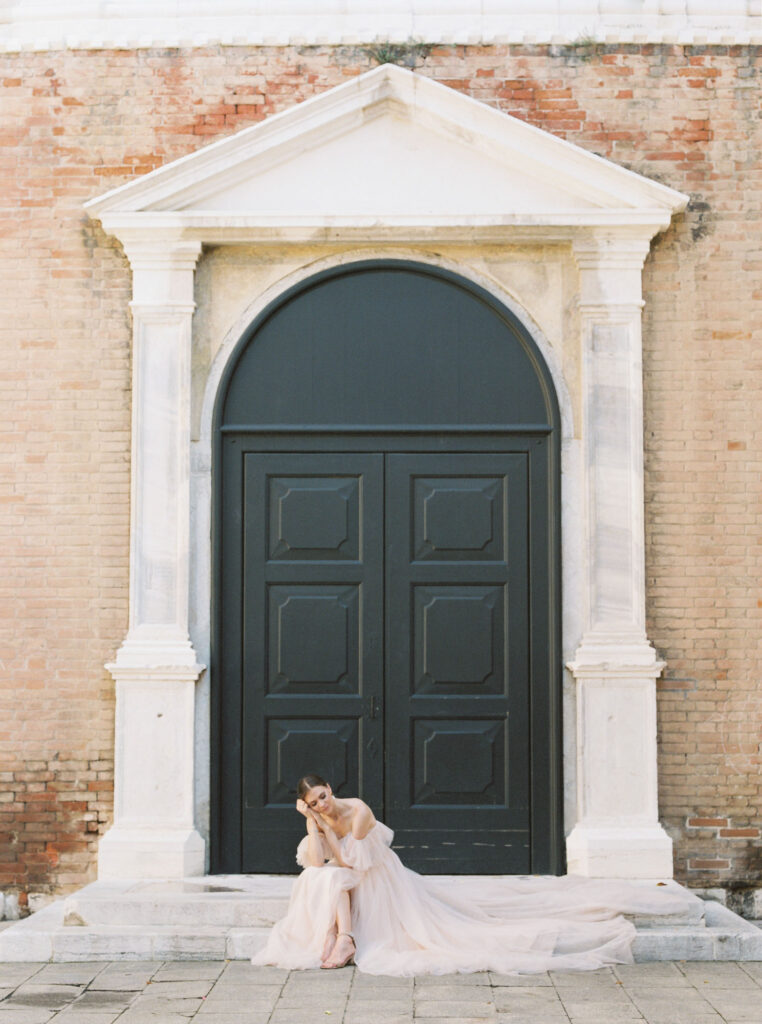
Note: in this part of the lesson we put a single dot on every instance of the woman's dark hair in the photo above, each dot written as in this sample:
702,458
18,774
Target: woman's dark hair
308,782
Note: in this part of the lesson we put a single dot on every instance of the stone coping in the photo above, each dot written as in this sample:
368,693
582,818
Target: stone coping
90,24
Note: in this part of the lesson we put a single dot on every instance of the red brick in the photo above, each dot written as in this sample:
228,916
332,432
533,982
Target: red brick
701,368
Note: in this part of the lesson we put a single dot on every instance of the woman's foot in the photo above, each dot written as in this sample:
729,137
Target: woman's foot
330,942
342,953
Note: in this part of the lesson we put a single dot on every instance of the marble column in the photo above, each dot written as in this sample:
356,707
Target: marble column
617,833
156,669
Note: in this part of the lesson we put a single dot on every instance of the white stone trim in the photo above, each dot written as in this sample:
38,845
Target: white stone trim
138,24
615,666
602,485
573,554
156,667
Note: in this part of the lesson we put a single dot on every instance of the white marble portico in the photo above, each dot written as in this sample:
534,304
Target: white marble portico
390,163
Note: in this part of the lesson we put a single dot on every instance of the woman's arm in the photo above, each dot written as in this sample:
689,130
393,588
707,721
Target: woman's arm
363,821
333,843
315,849
315,846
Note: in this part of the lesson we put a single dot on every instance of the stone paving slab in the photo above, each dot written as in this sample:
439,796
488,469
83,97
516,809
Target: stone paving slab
67,974
472,1020
193,988
121,976
190,970
153,1014
73,1016
220,992
9,1016
525,1000
425,990
12,975
237,1018
455,1009
379,1016
520,980
48,997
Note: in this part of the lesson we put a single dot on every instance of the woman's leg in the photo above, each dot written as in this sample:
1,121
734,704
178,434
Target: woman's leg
344,913
343,923
330,942
344,946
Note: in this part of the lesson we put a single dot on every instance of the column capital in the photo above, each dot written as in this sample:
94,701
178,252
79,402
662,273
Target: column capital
147,648
610,274
623,663
598,249
162,275
149,253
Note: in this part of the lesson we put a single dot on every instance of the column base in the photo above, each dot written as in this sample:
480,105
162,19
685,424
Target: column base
617,851
150,853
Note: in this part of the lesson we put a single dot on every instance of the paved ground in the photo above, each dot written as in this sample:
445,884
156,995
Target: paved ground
234,992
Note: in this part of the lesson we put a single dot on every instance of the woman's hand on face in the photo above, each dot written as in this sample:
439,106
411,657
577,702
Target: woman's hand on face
314,822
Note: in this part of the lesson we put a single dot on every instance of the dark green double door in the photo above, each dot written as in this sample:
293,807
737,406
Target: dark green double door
385,643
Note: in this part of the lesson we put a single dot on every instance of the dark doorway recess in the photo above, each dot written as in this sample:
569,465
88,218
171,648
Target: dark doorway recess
386,602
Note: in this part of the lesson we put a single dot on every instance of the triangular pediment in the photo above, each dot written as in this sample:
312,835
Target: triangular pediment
389,147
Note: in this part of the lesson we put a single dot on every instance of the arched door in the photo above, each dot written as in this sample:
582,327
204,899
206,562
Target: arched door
386,567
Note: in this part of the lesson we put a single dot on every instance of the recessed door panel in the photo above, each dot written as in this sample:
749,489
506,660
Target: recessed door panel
313,642
458,518
331,743
312,658
314,518
476,615
457,680
460,762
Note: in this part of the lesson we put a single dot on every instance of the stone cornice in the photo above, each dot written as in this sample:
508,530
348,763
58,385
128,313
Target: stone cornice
281,229
90,24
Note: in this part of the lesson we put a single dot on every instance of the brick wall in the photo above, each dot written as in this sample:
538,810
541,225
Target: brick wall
76,123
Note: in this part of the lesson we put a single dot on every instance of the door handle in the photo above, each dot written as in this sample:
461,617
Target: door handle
376,707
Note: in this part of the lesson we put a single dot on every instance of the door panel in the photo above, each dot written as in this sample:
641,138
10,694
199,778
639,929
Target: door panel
312,556
364,581
457,680
321,564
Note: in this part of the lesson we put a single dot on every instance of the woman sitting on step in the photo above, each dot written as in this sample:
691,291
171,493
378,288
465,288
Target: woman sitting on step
355,900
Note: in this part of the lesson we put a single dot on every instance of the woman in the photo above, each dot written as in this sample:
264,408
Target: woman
355,899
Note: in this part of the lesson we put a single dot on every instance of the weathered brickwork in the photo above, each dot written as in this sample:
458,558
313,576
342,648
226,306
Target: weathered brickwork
77,123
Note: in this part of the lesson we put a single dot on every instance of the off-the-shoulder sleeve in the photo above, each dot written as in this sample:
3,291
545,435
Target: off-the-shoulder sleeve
302,853
362,854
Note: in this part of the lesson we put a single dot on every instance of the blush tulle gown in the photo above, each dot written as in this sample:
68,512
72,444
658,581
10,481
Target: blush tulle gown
406,924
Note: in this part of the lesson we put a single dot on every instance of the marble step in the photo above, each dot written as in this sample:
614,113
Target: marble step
210,919
245,901
724,936
43,937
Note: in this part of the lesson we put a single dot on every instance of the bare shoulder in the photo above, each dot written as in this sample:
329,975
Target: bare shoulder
363,818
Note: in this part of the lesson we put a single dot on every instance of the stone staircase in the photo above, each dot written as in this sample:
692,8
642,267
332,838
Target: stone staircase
228,917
